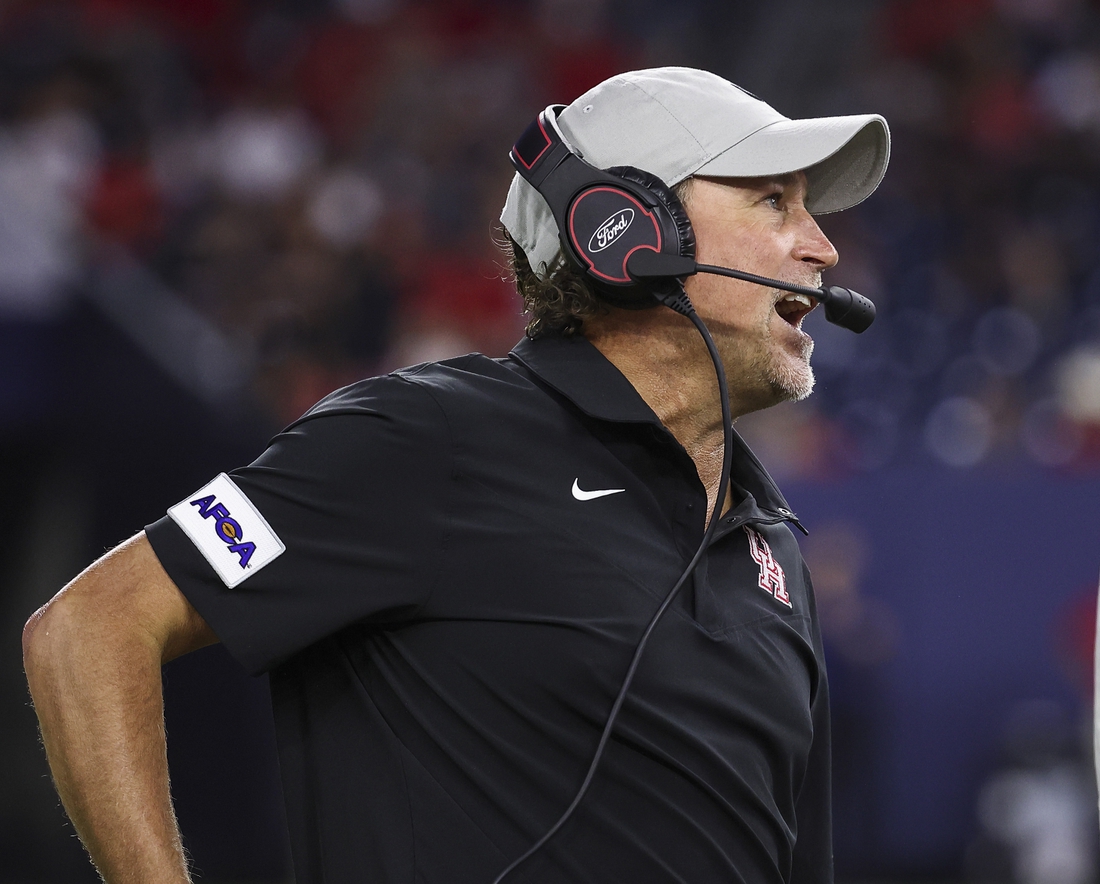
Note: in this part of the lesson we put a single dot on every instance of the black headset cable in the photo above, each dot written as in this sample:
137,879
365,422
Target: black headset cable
678,301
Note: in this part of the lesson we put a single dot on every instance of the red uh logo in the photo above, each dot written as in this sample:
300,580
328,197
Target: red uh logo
226,527
772,579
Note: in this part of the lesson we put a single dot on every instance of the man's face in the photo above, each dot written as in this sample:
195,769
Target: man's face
759,225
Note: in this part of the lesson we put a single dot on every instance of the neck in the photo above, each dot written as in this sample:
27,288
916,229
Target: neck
666,361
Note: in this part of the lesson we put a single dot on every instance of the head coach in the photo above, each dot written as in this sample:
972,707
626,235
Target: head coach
539,618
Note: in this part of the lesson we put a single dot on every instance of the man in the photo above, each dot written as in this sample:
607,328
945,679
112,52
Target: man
446,571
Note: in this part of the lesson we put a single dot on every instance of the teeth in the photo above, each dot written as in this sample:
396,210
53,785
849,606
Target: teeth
791,304
799,299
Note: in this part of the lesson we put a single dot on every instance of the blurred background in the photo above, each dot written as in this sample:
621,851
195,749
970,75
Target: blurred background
213,212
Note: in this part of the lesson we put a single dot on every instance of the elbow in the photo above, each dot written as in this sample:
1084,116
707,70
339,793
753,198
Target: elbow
122,607
43,638
57,638
30,632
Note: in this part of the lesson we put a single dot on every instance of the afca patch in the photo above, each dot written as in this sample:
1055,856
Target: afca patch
228,530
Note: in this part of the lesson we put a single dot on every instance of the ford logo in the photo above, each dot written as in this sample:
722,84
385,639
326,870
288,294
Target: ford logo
610,230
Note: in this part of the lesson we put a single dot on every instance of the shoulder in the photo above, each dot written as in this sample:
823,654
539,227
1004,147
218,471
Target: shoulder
423,394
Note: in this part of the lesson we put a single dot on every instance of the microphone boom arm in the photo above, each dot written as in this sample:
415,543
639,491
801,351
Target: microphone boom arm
843,307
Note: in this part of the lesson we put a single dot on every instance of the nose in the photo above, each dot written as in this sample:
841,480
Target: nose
813,246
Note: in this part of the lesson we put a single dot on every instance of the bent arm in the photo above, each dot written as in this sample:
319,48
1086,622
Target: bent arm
93,656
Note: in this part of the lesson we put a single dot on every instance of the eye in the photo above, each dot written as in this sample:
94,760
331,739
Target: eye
774,199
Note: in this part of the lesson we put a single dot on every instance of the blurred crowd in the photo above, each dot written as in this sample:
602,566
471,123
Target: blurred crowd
306,192
981,246
313,186
979,249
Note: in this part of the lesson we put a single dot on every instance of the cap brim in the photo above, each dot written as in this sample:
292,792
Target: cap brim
844,158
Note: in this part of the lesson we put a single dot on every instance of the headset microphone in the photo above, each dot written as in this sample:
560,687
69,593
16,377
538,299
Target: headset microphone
843,307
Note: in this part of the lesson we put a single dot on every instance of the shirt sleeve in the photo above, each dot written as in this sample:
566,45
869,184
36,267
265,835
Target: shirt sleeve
355,492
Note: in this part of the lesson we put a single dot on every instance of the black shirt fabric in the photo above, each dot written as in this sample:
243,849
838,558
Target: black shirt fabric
449,625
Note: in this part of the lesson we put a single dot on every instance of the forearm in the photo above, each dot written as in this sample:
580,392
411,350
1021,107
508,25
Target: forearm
97,691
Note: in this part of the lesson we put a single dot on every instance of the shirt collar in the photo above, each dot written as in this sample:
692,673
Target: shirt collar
582,374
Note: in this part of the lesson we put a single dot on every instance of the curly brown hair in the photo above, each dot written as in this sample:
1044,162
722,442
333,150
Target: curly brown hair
560,303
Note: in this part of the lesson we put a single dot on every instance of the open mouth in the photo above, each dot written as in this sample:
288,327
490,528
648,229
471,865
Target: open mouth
794,307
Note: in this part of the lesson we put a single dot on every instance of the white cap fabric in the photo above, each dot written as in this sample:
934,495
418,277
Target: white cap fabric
677,122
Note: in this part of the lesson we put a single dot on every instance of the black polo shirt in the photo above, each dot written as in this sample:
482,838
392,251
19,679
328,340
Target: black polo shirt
455,610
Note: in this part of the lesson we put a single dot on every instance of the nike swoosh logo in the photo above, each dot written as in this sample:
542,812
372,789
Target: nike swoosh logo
581,494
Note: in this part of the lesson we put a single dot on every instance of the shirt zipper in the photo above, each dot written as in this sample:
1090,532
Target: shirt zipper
782,515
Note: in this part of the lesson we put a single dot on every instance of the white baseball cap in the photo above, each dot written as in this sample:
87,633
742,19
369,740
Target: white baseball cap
677,122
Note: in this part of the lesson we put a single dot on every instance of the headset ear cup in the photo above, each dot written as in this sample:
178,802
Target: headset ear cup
676,221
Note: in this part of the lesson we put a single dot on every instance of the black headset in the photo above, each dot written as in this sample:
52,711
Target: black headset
629,234
604,217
